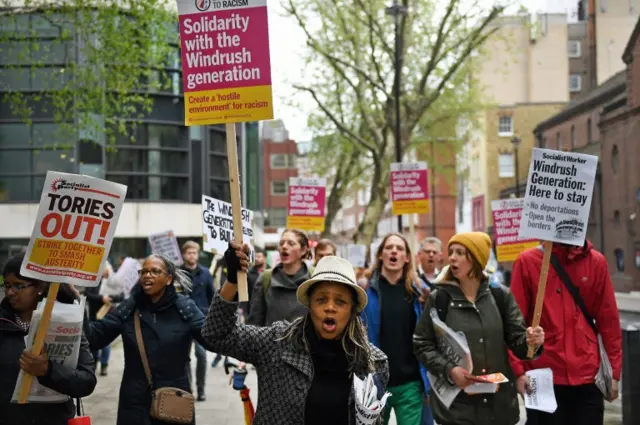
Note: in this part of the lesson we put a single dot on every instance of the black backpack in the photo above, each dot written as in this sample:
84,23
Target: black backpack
443,299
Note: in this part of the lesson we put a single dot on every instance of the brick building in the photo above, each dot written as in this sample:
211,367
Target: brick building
279,165
606,123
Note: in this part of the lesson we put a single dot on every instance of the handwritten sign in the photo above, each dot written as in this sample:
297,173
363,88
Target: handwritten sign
506,223
217,225
165,243
225,61
409,188
74,228
558,196
306,203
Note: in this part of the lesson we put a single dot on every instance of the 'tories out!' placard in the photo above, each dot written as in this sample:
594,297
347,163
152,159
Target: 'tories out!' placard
74,228
225,61
409,188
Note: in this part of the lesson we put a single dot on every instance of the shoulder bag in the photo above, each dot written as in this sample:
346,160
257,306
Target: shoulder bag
168,404
604,377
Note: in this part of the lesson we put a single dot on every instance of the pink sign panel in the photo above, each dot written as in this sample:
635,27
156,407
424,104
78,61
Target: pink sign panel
507,214
306,203
409,188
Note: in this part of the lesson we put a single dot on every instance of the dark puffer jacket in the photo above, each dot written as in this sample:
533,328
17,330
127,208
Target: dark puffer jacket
76,383
168,328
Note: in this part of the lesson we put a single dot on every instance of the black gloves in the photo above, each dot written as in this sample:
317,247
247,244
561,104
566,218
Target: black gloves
233,265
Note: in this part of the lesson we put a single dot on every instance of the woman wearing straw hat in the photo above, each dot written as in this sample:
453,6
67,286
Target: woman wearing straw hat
491,321
305,368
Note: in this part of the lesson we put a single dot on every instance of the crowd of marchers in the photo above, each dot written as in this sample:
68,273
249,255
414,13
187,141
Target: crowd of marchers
314,322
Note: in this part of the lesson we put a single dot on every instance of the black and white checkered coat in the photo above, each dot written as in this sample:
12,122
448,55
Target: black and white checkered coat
284,373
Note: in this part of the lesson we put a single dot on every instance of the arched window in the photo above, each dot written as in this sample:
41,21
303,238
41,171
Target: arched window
573,137
589,131
615,159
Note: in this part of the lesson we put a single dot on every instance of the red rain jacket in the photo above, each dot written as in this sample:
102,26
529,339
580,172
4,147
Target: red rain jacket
570,346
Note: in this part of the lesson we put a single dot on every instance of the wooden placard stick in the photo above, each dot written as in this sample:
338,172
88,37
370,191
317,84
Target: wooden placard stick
38,343
542,284
412,242
236,202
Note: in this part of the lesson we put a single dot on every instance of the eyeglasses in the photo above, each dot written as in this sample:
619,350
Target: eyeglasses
17,287
154,272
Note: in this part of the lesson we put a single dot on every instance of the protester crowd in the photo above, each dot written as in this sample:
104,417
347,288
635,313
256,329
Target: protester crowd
314,323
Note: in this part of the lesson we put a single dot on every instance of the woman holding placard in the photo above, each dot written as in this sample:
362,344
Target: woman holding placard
157,325
307,368
22,296
490,320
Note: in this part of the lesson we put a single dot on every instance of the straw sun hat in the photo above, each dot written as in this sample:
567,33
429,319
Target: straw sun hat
333,269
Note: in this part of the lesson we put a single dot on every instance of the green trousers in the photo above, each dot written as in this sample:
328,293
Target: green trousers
406,401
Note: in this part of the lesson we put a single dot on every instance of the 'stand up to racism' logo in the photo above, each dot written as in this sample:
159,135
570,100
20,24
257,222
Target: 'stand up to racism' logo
203,5
61,184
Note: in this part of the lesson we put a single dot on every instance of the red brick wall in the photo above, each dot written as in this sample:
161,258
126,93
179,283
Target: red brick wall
581,125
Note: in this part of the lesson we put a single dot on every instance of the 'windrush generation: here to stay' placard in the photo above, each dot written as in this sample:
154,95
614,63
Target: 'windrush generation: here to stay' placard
558,196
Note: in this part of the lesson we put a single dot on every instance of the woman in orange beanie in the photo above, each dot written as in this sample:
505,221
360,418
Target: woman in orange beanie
491,321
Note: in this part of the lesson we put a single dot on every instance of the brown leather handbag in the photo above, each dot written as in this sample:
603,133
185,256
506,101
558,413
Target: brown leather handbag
168,404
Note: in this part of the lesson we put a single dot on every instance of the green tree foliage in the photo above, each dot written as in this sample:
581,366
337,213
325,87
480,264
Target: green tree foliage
86,64
350,77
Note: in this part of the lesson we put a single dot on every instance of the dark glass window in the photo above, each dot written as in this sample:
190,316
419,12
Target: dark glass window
168,188
15,78
220,190
15,188
51,135
53,160
174,162
15,161
218,166
166,136
136,185
218,142
121,159
14,135
37,184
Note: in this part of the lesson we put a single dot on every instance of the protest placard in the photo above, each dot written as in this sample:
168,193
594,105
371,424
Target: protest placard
409,188
357,255
506,224
128,274
558,196
306,203
166,243
226,67
217,225
74,228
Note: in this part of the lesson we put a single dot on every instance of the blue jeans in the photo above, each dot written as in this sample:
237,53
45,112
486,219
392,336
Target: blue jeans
427,415
102,356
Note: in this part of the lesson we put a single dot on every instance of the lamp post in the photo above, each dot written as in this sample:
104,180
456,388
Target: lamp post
397,11
516,144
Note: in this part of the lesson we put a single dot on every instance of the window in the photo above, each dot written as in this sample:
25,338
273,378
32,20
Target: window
616,218
349,222
573,136
218,142
558,141
55,160
589,132
195,132
505,165
220,190
166,136
279,187
348,202
615,159
575,48
14,161
121,159
505,126
575,83
14,135
218,166
15,189
279,160
276,217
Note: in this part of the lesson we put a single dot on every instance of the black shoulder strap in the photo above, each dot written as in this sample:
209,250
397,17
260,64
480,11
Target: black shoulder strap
442,304
573,290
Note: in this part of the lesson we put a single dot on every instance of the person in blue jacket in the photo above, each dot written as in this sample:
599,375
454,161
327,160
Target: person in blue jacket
391,316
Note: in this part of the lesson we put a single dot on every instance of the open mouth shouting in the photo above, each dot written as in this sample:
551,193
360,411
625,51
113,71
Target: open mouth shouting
284,255
454,269
393,260
329,324
147,283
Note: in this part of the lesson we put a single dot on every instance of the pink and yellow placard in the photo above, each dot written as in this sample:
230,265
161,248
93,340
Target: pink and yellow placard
226,67
507,214
306,203
409,188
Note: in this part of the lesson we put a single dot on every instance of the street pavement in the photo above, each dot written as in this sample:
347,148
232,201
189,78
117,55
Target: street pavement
223,405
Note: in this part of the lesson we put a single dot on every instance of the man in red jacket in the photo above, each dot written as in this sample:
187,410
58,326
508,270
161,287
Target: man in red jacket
571,347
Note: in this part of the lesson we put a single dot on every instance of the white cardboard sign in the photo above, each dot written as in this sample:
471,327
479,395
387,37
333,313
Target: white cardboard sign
558,196
166,243
217,225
